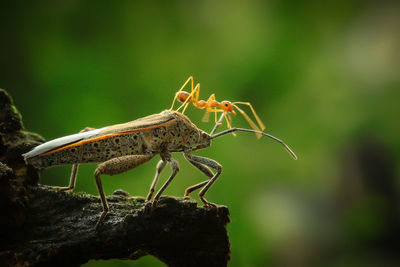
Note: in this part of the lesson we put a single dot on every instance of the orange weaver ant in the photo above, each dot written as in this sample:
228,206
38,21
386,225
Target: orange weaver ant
212,105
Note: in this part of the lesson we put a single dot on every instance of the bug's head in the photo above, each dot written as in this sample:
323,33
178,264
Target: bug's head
227,106
204,140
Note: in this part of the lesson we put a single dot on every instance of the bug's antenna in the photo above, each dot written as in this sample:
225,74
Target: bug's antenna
257,132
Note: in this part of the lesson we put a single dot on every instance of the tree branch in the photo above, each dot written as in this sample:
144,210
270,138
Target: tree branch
46,227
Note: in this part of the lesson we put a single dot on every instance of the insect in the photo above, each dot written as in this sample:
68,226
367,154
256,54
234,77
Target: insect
212,105
122,147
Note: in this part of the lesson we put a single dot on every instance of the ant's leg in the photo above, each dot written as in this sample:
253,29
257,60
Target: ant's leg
111,167
209,101
212,164
211,98
183,86
185,104
219,122
251,123
209,109
197,93
74,171
260,123
160,166
227,120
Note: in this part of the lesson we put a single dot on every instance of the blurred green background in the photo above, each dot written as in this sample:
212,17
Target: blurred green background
323,76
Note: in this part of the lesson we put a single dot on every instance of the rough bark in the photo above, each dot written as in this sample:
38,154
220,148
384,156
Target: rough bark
41,226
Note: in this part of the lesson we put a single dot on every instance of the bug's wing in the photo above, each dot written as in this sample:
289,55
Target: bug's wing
62,141
139,124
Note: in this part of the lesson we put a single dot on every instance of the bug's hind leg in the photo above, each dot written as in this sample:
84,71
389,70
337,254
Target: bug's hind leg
72,180
175,168
115,166
74,171
160,166
212,164
204,169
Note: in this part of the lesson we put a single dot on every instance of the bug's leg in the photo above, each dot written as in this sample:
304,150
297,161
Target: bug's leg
72,180
74,171
212,164
192,188
204,169
217,124
160,166
175,168
115,166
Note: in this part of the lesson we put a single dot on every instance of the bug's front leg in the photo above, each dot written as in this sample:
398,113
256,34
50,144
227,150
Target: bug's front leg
115,166
212,164
204,169
217,124
74,171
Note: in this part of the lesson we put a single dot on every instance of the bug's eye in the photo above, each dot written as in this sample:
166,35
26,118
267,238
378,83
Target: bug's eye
226,104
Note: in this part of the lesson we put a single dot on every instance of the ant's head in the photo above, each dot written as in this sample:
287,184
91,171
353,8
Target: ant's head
227,106
182,96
